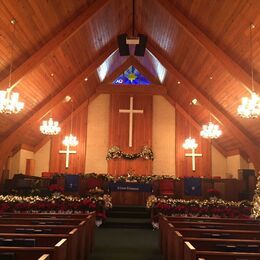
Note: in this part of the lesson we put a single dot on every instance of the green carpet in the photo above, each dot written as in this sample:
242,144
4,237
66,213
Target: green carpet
126,244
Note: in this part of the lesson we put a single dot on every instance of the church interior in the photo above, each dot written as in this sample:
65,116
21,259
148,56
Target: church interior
130,124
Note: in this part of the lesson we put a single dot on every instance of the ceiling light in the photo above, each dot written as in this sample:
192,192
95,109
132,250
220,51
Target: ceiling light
50,127
9,101
190,143
210,131
250,107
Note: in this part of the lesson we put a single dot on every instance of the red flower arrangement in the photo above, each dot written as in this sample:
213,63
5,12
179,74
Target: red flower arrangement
56,188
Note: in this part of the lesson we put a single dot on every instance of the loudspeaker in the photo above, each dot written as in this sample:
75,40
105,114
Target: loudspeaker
140,48
123,47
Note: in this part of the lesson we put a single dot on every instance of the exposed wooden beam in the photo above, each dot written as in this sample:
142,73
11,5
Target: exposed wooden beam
133,89
13,138
52,44
231,66
250,147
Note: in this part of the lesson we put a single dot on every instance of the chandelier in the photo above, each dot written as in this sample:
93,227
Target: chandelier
210,131
70,140
50,127
250,108
9,101
190,143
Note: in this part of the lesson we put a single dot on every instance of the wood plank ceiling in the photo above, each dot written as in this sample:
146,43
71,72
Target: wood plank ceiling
59,43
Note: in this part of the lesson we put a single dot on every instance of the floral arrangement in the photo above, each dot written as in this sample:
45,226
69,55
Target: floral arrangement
115,153
141,178
208,208
56,203
56,188
213,193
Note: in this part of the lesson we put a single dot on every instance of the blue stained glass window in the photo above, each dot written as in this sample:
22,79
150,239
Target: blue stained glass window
132,77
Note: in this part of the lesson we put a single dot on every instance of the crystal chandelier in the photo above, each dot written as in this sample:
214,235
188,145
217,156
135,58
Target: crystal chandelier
50,127
70,140
210,131
250,108
9,101
190,143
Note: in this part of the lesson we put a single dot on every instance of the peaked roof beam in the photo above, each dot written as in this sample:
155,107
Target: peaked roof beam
52,44
231,66
13,139
250,147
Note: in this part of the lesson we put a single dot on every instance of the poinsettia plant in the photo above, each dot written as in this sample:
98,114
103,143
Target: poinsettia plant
56,188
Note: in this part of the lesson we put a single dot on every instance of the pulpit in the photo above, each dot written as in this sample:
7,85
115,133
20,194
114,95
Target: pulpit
129,193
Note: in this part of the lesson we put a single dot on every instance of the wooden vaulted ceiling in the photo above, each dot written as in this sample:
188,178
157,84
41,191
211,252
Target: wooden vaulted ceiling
202,44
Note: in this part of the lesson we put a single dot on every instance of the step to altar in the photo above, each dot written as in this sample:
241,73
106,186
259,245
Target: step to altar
128,217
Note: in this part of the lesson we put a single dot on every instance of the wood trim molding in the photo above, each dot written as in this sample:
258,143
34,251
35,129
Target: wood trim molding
125,89
231,66
52,44
13,138
251,148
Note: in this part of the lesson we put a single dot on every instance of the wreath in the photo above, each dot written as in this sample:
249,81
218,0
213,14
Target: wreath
114,152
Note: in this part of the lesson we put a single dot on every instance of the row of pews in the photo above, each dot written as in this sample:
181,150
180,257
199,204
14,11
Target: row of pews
197,238
43,236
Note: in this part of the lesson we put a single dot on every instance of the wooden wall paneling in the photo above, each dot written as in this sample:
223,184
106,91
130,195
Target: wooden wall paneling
30,167
184,129
119,130
16,135
249,146
79,129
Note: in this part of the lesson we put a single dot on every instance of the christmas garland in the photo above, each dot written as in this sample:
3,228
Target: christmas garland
114,153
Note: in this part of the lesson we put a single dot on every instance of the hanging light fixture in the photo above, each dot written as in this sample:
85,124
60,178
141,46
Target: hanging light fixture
190,143
211,130
50,127
9,101
70,140
250,108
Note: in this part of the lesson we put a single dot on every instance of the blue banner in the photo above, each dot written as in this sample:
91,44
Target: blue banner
130,186
192,187
72,182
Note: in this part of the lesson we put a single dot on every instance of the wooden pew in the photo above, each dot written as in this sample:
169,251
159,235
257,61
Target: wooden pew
193,253
176,244
89,217
51,229
56,252
44,257
163,224
43,240
177,236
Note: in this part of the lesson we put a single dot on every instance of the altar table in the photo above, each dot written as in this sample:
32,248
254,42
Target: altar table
129,193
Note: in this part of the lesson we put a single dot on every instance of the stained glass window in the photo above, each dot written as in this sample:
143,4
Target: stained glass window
132,77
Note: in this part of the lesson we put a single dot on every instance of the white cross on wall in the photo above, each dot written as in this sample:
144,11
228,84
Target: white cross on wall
193,155
131,111
67,152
